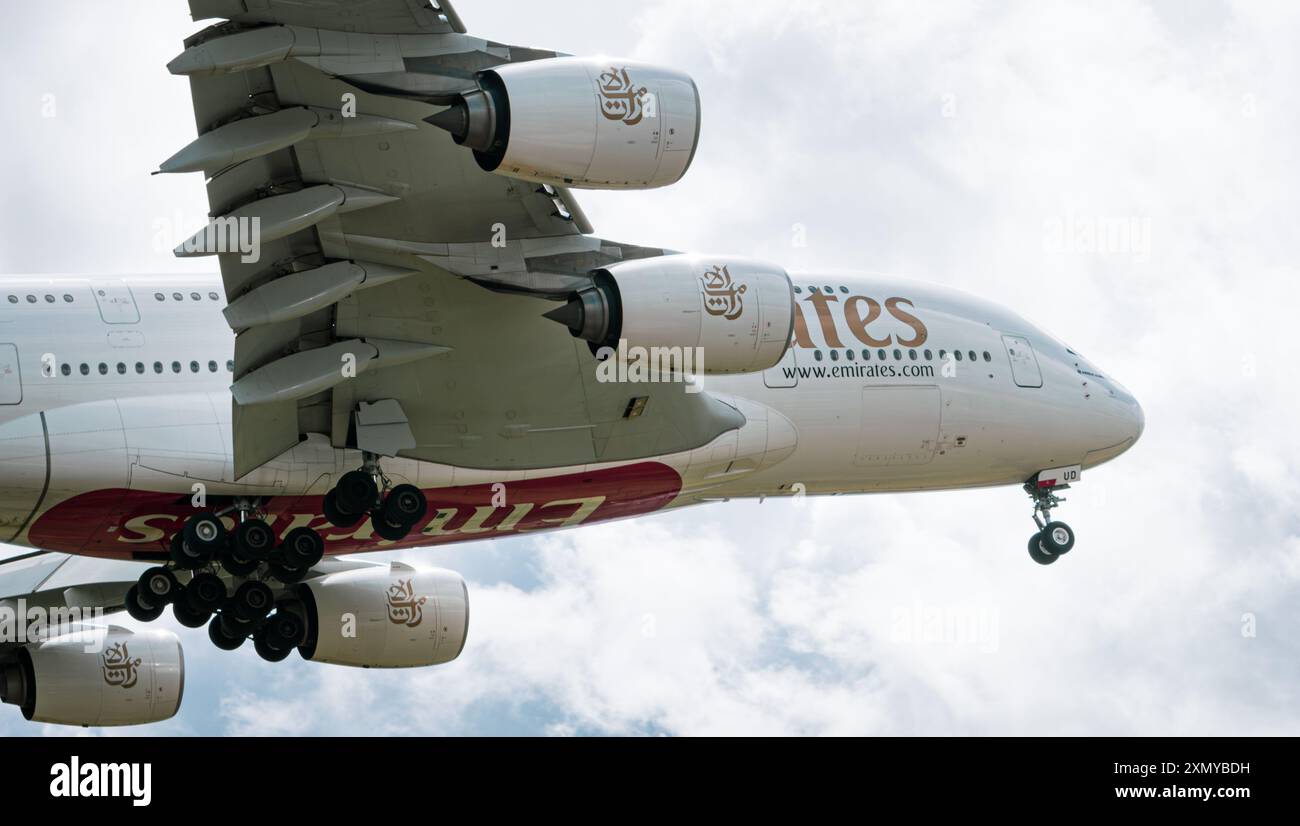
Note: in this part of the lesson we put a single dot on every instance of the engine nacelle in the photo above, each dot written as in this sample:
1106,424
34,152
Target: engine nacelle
580,122
739,313
98,677
394,617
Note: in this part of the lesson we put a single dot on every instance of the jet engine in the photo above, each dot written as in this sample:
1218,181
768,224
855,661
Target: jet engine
97,677
739,314
385,617
580,122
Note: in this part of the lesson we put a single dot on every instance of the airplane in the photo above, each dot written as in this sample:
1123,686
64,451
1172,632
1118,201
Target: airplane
416,339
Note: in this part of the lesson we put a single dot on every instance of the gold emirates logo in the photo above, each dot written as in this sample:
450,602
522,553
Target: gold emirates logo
120,671
722,296
620,99
404,608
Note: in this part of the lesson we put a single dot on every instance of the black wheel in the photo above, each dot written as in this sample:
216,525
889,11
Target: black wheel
232,626
337,517
206,592
266,652
205,535
1038,554
283,631
236,564
1058,538
356,492
286,574
158,586
387,530
254,540
139,610
186,558
302,548
405,505
252,601
190,616
221,639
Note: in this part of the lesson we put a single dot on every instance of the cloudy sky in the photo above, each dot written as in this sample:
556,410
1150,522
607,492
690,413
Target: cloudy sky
967,143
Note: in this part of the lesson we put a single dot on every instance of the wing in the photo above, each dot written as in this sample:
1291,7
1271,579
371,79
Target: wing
370,16
389,269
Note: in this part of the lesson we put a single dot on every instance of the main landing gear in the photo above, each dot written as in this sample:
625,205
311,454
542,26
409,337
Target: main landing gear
1054,539
393,511
229,582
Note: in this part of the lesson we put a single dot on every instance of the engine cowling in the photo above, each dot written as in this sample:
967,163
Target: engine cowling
394,617
98,677
580,122
739,313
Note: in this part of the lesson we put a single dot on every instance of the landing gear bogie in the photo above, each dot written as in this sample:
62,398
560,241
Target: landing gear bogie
1054,539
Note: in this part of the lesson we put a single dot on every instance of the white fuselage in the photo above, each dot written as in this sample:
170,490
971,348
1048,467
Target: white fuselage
111,387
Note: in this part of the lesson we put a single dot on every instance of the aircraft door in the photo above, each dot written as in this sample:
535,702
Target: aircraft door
1024,364
900,426
11,378
116,304
786,373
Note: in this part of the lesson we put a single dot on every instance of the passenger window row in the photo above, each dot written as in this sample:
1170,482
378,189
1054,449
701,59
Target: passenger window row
159,368
898,355
49,299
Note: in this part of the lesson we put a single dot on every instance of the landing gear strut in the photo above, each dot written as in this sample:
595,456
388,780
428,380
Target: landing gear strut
393,511
1054,539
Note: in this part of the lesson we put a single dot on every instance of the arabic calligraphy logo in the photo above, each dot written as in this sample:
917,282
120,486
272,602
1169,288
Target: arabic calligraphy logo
120,670
620,99
404,608
722,296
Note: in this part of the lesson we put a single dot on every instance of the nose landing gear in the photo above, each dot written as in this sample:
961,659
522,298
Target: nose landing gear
393,511
1054,539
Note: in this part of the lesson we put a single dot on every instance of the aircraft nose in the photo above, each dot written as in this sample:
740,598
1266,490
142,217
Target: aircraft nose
1139,421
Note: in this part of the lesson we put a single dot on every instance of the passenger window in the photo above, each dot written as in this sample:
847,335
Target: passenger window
835,355
798,290
898,355
230,366
911,354
866,355
121,369
957,353
196,296
31,299
139,368
66,369
194,367
848,354
178,297
49,299
214,296
973,357
160,296
176,366
103,369
817,355
987,357
212,367
883,355
929,356
85,369
67,298
13,299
